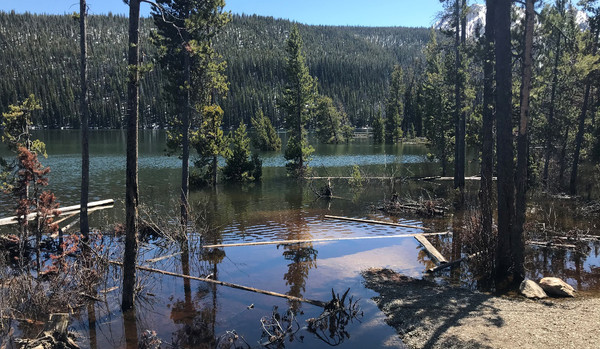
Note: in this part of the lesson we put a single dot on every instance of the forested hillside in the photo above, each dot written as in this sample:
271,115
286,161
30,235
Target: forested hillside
39,55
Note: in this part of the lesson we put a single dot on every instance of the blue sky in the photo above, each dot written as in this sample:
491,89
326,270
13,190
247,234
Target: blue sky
326,12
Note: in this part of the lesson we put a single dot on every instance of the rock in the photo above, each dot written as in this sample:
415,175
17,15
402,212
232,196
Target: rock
556,287
532,290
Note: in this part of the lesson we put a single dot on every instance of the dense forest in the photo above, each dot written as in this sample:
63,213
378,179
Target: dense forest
38,54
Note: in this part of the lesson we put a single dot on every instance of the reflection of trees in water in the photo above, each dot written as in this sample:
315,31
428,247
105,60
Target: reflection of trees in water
197,314
567,264
303,259
302,256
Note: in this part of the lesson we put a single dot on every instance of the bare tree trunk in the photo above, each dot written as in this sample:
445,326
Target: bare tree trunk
459,117
131,191
579,140
550,121
581,126
185,158
487,151
83,108
505,183
523,147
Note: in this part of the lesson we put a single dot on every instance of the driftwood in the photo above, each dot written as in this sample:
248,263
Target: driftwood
435,255
154,260
65,211
451,264
376,222
550,244
288,242
55,335
228,284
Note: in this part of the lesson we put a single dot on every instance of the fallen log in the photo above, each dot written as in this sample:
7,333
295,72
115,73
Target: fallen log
435,255
228,284
549,244
451,264
289,242
65,211
376,222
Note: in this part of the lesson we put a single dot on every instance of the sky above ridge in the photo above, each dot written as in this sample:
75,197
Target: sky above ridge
411,13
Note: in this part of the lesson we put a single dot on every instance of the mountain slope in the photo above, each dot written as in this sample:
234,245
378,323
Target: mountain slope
39,54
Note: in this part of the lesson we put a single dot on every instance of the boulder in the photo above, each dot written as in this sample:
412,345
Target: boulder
556,287
532,290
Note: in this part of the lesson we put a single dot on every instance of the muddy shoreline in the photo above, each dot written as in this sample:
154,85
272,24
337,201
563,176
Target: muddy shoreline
427,315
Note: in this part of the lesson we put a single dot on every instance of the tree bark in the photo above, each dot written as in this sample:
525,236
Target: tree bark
83,108
504,144
131,191
579,140
518,246
185,157
459,117
487,132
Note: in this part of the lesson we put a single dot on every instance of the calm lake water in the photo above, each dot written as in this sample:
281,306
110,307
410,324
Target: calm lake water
278,208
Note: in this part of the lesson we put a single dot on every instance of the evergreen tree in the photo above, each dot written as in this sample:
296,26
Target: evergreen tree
378,126
265,137
328,121
437,105
186,31
210,142
298,97
239,166
395,107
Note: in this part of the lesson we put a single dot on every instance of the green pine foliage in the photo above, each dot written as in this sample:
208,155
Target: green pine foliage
39,54
210,142
298,98
378,126
438,106
328,121
239,166
265,137
395,107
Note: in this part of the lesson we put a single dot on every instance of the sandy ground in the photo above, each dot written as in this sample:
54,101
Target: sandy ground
426,315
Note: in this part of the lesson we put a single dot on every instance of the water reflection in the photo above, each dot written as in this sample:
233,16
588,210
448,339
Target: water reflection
303,257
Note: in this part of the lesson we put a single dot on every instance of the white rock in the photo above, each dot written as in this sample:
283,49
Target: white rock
556,287
531,289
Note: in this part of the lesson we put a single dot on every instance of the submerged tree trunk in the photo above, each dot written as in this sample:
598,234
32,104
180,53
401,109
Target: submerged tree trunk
505,182
185,157
487,132
131,191
523,146
84,111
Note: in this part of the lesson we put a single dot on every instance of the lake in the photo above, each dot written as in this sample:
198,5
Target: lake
196,314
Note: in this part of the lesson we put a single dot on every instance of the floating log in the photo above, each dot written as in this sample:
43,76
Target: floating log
228,284
289,242
431,250
64,211
154,260
376,222
550,244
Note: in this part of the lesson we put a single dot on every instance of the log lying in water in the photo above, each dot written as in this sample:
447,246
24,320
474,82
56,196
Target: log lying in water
376,222
451,264
435,255
64,211
228,284
289,242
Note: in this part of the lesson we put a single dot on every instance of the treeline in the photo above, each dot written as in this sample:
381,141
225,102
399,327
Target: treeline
39,55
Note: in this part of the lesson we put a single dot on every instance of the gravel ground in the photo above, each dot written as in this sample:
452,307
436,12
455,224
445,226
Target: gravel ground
427,315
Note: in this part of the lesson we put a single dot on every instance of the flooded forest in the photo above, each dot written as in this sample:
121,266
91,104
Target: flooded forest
201,179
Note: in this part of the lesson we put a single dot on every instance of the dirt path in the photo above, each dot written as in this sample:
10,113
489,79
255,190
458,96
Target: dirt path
430,316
